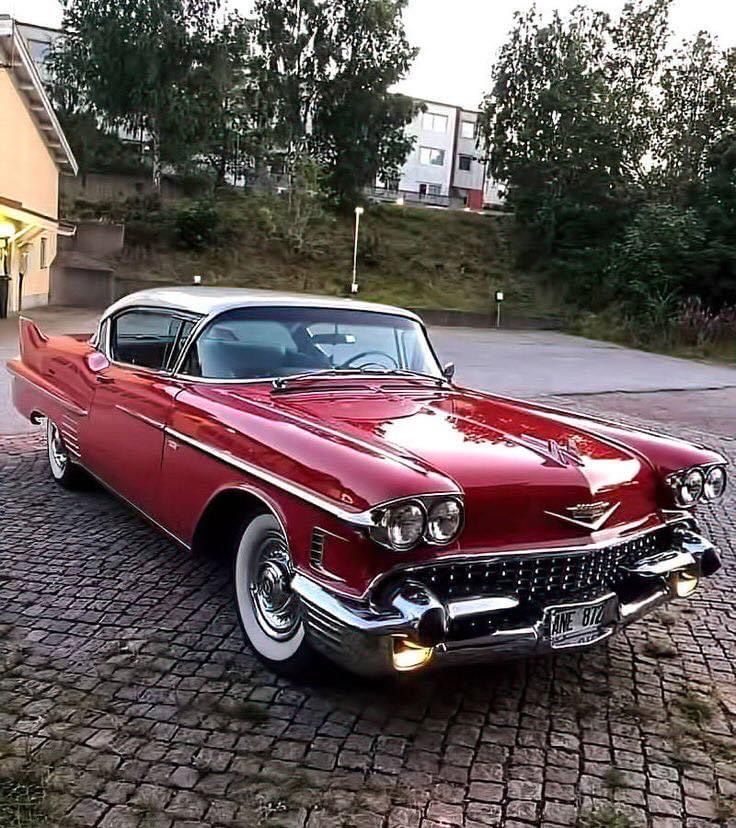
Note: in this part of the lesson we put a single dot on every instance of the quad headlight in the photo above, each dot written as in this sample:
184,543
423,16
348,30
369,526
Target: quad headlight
404,524
715,483
698,484
444,520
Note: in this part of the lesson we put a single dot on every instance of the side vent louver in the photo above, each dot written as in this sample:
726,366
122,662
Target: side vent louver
317,548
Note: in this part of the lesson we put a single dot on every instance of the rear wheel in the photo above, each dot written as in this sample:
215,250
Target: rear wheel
269,612
63,470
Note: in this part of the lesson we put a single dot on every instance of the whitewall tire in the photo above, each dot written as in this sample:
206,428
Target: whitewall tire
62,468
269,612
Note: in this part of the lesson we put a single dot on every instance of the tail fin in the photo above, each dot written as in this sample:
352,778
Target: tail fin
31,338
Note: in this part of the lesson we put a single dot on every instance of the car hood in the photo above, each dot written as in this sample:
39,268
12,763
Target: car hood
521,470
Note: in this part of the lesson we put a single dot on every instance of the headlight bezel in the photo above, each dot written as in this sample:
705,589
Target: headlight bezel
676,482
426,503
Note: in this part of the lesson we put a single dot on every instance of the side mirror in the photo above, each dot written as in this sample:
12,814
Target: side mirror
97,361
448,371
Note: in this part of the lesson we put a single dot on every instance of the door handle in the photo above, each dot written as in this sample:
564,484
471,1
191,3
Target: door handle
101,378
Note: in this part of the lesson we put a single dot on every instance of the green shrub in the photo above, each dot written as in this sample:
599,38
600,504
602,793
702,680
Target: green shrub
196,226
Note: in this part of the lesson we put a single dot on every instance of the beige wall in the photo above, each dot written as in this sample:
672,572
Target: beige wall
28,175
27,170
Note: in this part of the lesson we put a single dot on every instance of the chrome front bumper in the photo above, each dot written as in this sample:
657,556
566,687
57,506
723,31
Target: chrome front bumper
361,636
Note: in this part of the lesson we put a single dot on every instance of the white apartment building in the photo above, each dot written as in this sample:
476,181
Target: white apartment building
445,167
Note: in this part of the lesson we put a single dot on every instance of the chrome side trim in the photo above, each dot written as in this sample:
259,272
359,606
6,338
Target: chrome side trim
356,518
142,417
80,412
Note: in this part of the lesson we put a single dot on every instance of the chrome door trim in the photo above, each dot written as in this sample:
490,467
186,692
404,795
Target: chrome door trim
142,417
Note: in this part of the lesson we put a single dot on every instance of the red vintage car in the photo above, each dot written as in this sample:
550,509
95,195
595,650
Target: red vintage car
377,513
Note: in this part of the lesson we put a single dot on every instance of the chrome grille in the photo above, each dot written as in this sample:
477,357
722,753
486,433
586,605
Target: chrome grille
540,579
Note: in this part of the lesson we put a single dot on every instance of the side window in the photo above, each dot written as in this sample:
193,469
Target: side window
144,338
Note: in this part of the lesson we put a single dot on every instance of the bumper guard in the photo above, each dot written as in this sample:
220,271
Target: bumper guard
361,636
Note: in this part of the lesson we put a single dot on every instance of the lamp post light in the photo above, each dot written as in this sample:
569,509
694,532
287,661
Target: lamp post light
7,231
354,285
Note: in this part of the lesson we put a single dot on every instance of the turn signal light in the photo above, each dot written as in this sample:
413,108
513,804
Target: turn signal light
410,656
685,582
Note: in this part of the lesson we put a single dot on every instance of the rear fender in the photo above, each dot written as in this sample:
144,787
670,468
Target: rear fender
51,378
32,340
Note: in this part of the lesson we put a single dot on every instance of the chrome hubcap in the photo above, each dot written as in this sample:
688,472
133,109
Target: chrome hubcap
276,606
57,450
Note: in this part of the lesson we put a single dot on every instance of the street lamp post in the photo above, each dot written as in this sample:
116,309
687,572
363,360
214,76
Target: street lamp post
7,231
354,285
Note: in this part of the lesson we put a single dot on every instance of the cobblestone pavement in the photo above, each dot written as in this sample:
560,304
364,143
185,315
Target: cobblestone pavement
125,688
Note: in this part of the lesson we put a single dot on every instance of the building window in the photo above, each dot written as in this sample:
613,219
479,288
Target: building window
43,253
467,129
430,189
434,122
39,50
435,157
465,162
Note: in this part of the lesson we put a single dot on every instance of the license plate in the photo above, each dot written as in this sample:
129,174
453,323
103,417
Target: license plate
574,625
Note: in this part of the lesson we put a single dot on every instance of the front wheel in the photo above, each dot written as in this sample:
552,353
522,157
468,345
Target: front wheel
63,470
269,612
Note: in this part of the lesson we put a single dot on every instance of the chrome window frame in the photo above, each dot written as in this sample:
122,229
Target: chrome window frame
110,319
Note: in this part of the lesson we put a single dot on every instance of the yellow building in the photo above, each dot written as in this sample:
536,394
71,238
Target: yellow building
33,153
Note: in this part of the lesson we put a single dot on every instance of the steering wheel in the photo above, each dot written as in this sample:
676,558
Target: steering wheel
349,362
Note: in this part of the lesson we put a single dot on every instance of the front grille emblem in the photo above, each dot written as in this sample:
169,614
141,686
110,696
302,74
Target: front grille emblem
588,515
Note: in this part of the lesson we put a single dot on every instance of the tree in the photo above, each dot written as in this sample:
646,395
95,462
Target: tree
697,110
324,72
619,157
132,64
567,125
226,99
551,142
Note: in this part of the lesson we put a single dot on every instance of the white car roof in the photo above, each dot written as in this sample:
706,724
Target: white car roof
211,301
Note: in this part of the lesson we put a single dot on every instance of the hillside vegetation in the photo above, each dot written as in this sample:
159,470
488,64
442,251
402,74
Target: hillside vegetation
407,256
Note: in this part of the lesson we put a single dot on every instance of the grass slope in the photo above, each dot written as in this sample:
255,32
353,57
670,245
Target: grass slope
407,256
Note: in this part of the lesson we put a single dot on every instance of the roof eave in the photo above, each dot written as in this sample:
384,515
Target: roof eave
28,81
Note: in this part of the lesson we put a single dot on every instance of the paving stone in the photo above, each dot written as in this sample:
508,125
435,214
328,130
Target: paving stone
122,657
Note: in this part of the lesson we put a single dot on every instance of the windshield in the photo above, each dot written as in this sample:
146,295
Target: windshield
259,343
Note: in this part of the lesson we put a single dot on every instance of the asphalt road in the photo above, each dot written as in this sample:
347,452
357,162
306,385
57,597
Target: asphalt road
515,363
537,363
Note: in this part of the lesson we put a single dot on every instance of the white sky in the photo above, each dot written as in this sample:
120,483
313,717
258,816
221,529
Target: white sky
458,39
